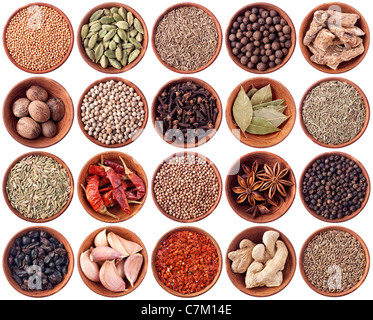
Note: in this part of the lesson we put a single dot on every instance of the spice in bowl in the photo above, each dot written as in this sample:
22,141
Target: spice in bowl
186,187
186,113
186,38
113,112
38,187
187,262
112,37
334,261
334,187
255,111
38,38
334,112
260,39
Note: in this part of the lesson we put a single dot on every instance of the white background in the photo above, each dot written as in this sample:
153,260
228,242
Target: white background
224,149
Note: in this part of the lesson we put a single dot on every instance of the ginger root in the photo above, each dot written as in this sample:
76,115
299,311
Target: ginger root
264,251
242,258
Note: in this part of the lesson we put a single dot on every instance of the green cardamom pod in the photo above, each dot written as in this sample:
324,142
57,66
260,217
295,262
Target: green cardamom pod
104,62
95,27
135,43
93,40
108,27
138,26
106,44
89,35
117,17
85,43
124,60
139,37
112,45
122,34
107,12
107,20
130,18
110,35
122,25
128,46
118,54
84,31
90,53
96,15
110,54
99,51
123,12
133,55
133,33
117,39
114,10
102,33
115,63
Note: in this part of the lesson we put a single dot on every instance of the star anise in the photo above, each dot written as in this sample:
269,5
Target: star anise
273,180
248,189
258,209
248,171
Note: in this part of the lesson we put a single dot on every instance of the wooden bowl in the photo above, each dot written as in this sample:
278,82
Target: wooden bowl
193,219
345,66
279,91
231,181
38,153
218,27
333,294
163,238
97,287
336,220
201,83
255,234
71,38
266,6
367,111
54,89
117,145
116,210
42,293
97,66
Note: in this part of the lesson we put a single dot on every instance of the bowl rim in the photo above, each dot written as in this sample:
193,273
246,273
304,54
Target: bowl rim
269,217
206,86
364,171
15,135
202,232
144,253
218,176
291,253
339,228
58,287
72,38
366,105
141,129
112,70
96,215
350,64
289,124
218,27
284,15
54,157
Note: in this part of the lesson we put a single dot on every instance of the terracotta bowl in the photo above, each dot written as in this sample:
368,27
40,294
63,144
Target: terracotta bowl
18,214
54,89
333,294
116,210
367,111
279,91
345,66
43,293
176,293
180,5
266,6
154,113
231,181
97,287
336,220
97,66
117,145
71,37
255,234
193,219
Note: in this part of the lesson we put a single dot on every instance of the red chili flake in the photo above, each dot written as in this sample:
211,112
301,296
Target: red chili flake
187,261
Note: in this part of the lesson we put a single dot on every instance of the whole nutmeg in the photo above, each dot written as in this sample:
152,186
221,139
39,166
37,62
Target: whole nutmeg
39,111
49,129
37,93
20,107
57,109
28,128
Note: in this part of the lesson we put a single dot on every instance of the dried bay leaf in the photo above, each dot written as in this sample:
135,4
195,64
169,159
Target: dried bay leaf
263,95
261,126
252,91
277,102
279,108
271,115
242,110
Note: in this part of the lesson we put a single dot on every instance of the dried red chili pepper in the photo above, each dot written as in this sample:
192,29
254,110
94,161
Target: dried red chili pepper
108,198
187,261
97,170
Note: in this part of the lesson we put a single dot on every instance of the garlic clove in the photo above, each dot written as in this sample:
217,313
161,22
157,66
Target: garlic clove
120,267
110,278
116,244
104,253
89,268
132,266
130,246
101,239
